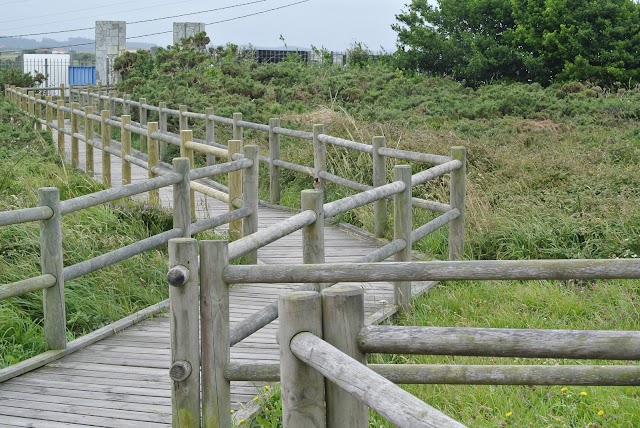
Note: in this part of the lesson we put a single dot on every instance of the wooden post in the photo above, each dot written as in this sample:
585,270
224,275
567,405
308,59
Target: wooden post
302,386
235,190
125,148
402,230
250,199
274,154
237,130
183,121
187,135
457,196
25,101
100,100
37,109
105,137
342,320
319,156
379,179
55,326
313,235
112,106
30,103
153,156
162,124
48,112
214,321
71,94
60,120
126,107
74,130
81,99
185,341
88,135
181,193
62,92
143,122
89,97
210,134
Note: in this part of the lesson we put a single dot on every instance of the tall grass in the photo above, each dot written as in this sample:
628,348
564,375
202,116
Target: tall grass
28,161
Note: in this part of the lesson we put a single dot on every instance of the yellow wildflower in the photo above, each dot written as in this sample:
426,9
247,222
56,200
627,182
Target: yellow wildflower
232,411
601,412
255,398
241,421
267,388
508,414
583,393
564,389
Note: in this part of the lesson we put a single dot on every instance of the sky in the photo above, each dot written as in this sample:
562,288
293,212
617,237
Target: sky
333,24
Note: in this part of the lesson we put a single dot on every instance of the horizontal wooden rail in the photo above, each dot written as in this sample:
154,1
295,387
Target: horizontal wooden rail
347,144
25,215
26,285
207,149
448,374
509,374
294,167
392,402
334,208
434,225
437,271
215,194
413,156
139,130
305,135
252,125
219,220
501,342
115,193
349,184
124,253
435,172
270,234
222,168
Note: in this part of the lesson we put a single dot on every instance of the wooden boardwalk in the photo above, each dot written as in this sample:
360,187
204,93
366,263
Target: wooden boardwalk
123,381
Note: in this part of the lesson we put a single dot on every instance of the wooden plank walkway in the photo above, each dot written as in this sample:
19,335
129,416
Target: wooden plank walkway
123,381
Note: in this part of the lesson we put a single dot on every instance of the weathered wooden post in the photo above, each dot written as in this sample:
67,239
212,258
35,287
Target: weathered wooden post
274,154
183,120
185,136
100,99
24,101
185,341
88,136
125,148
81,99
402,230
210,133
71,94
112,106
250,199
153,156
214,321
105,137
235,190
55,325
30,109
319,156
143,122
342,320
457,196
74,131
60,123
237,129
37,109
62,92
379,179
313,235
162,124
48,112
126,106
181,197
302,386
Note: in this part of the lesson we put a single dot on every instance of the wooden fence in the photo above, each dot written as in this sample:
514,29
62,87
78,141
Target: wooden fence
322,335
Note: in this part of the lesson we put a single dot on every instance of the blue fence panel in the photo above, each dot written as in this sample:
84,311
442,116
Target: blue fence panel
82,75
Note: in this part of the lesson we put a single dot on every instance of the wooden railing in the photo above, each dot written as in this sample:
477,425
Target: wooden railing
241,195
324,339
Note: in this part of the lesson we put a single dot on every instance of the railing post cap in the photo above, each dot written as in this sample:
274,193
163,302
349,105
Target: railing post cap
50,190
343,290
300,296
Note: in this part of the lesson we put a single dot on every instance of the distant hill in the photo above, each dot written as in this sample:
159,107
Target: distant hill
88,45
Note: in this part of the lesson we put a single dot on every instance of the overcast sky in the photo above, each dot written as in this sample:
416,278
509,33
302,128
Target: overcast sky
334,24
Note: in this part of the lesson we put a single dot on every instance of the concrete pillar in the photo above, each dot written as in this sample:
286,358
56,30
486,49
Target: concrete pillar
186,29
110,43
